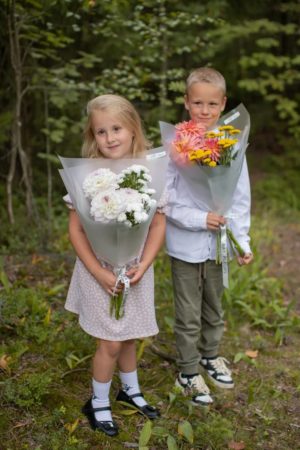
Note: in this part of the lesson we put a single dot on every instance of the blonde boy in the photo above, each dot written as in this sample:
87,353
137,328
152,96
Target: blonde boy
191,244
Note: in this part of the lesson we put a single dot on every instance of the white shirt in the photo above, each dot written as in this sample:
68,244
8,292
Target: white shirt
187,236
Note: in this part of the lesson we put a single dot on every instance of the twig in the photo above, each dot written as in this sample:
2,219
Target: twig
74,370
162,354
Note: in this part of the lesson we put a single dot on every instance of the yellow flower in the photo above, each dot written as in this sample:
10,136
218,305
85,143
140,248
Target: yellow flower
211,134
212,164
207,160
226,128
235,131
199,154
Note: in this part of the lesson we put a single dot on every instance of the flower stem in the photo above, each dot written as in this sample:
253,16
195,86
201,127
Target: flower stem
235,243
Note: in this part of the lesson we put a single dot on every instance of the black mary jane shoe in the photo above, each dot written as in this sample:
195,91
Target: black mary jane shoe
108,427
146,410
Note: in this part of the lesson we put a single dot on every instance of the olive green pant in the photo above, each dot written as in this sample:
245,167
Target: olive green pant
199,323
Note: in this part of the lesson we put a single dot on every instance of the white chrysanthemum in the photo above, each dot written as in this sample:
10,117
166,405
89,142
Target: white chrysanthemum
148,191
147,177
98,181
129,195
122,217
145,197
106,206
140,217
135,207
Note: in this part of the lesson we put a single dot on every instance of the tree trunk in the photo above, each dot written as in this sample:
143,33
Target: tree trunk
10,177
16,61
49,166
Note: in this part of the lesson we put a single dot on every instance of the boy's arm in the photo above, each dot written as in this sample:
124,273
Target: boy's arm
179,211
240,210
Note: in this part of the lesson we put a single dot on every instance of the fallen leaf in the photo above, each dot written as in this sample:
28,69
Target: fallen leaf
4,363
236,445
252,353
71,427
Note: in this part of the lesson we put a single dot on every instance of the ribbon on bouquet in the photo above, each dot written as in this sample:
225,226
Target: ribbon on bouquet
119,300
224,255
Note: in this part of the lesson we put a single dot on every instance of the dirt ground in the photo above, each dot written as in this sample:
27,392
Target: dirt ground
285,260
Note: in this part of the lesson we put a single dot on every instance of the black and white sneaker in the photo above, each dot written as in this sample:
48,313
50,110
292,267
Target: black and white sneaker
218,372
196,387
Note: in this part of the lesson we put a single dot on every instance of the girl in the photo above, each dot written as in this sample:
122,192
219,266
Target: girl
114,131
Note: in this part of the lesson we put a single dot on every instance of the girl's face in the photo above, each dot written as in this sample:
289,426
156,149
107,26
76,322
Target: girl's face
114,140
205,103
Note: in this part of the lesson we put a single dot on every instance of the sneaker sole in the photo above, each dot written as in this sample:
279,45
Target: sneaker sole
219,383
201,404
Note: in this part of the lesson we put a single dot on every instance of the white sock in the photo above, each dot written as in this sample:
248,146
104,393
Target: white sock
101,399
131,386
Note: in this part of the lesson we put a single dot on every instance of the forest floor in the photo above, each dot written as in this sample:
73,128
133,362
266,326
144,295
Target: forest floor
45,359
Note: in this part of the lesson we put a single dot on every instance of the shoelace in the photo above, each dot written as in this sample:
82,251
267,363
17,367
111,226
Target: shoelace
198,384
219,365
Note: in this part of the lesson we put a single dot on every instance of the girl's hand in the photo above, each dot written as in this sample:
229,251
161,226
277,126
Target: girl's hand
246,259
136,273
108,279
213,221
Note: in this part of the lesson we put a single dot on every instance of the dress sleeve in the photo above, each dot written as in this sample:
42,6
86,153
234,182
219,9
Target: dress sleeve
68,201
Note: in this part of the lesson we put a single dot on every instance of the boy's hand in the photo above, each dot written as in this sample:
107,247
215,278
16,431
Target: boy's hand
214,221
246,259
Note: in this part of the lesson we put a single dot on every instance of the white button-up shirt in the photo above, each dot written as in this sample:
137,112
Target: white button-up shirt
187,236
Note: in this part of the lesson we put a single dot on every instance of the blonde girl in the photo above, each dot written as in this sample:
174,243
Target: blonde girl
113,130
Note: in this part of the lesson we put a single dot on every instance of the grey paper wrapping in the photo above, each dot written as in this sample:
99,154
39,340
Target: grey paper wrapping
212,188
115,243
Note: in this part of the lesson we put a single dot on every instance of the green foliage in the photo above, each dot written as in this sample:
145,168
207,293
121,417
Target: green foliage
257,298
283,192
28,390
215,432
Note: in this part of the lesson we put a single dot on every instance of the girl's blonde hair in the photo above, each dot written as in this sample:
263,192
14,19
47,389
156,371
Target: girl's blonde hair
206,75
125,112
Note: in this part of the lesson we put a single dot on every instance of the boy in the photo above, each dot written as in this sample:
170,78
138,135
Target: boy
191,244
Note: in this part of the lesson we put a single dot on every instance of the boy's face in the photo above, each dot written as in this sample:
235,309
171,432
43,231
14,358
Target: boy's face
205,103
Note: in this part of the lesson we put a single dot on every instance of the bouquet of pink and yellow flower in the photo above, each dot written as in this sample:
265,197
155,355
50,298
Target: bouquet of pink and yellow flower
211,161
193,143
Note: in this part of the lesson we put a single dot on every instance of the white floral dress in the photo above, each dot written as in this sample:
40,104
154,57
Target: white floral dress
90,301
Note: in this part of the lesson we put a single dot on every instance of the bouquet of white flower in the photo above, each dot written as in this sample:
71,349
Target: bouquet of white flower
124,198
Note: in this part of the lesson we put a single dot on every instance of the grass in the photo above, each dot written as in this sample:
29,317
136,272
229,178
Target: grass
45,358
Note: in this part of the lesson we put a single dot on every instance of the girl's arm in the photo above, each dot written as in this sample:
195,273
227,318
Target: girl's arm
153,244
85,253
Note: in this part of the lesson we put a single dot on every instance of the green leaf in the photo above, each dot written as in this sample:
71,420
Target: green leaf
238,357
4,281
128,412
160,431
171,443
145,434
185,429
172,397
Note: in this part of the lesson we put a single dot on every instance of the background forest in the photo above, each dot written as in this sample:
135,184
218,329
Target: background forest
54,57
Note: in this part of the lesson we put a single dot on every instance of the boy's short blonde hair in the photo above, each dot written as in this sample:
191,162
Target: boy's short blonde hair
125,112
206,75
